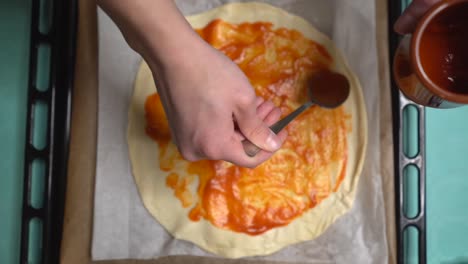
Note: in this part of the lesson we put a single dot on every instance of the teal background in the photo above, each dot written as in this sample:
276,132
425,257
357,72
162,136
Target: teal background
14,61
447,185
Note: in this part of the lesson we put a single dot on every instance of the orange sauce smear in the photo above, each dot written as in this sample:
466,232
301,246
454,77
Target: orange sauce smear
301,174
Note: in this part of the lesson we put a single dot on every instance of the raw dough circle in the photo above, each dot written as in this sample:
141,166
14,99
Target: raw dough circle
164,206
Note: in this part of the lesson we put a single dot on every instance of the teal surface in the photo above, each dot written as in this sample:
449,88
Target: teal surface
14,60
447,185
410,251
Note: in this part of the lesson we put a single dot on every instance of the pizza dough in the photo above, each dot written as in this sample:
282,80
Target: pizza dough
162,204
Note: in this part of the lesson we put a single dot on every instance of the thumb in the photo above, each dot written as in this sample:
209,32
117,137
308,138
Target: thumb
255,129
407,22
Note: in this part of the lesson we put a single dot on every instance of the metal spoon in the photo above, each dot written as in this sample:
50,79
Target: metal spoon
327,89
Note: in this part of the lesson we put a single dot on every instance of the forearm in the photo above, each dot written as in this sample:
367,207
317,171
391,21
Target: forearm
154,28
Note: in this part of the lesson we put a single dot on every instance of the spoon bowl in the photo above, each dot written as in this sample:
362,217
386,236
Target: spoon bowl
326,89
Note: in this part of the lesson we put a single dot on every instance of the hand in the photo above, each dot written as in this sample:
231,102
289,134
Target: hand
211,107
407,22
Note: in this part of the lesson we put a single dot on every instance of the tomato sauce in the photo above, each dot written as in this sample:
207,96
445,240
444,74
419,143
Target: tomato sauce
307,169
444,49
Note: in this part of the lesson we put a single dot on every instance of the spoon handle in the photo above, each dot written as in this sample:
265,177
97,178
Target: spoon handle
251,149
278,126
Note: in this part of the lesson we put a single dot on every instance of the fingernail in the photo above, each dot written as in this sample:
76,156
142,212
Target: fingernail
273,141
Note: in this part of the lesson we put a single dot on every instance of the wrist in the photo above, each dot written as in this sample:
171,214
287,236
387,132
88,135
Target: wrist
153,28
171,48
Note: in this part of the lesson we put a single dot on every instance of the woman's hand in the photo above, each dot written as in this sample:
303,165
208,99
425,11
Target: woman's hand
212,107
407,22
210,104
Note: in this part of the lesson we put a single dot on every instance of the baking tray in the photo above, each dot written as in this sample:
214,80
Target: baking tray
42,226
410,169
51,69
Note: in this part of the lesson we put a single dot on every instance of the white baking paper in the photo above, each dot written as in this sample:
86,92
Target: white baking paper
123,228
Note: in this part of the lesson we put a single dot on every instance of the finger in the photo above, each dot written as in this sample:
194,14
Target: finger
273,116
238,135
264,109
407,22
245,161
236,155
259,100
254,129
190,154
283,134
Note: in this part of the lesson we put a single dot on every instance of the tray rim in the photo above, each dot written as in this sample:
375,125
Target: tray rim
399,103
61,38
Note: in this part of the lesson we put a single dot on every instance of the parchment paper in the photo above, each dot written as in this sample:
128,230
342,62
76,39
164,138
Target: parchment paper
124,229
